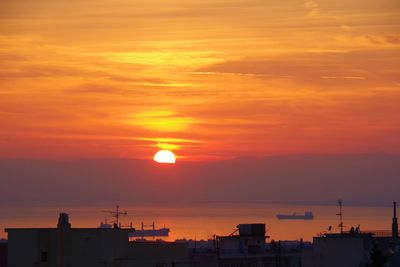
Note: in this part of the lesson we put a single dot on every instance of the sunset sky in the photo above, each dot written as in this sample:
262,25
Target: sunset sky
207,79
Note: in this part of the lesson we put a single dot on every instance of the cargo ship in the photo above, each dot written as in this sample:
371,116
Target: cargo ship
151,230
295,216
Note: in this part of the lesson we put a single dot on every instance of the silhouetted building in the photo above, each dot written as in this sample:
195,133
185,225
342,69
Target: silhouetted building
65,246
344,250
3,253
355,248
75,247
247,246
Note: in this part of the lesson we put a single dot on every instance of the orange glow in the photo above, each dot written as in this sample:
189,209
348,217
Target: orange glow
165,156
215,80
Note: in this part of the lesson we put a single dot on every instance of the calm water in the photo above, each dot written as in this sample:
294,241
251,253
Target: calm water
203,220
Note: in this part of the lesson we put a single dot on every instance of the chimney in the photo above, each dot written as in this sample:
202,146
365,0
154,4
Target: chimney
63,221
395,226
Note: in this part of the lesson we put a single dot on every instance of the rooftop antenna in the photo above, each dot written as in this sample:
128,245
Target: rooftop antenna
340,214
116,214
395,226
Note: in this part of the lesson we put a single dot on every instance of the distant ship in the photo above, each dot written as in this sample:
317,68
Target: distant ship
306,216
152,232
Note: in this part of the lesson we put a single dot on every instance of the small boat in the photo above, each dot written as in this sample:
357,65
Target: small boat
306,216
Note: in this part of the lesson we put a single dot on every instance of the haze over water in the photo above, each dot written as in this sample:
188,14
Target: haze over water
201,220
269,101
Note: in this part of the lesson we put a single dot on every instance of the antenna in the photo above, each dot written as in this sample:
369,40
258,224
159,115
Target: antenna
116,214
340,214
395,226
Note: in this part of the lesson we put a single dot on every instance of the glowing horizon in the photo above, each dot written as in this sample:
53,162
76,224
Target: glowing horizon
165,156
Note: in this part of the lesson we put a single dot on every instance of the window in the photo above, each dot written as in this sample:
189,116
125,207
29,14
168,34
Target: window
43,256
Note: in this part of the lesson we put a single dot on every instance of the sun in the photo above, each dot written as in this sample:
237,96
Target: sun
165,156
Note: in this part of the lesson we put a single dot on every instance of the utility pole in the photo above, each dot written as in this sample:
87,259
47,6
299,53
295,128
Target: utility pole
395,226
340,214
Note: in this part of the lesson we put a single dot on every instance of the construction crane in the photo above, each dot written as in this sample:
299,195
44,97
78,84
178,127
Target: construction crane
116,214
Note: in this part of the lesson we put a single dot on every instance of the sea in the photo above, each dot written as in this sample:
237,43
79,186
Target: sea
203,220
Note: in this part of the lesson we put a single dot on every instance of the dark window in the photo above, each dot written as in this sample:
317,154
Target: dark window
43,256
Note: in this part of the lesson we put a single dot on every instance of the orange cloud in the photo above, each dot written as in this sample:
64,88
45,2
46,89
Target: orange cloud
210,79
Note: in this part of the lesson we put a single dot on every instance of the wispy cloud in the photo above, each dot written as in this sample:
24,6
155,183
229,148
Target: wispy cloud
313,8
243,77
161,121
318,67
